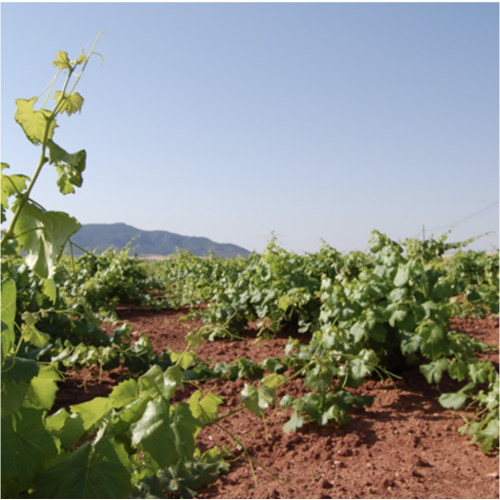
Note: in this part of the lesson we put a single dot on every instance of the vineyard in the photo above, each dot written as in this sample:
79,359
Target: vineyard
328,375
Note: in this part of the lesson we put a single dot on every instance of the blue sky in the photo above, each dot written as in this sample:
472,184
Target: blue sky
230,121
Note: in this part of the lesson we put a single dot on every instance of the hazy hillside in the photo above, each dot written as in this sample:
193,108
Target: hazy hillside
102,236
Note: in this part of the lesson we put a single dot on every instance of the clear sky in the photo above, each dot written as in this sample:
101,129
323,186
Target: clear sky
230,121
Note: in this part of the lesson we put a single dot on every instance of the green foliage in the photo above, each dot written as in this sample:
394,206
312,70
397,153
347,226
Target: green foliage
51,308
100,282
366,313
95,470
369,313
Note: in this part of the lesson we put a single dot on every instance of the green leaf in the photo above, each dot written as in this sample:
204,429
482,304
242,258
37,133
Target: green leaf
429,306
443,288
458,369
186,358
436,334
69,167
363,364
82,58
318,378
13,394
62,60
100,470
378,332
194,339
185,478
402,275
128,415
398,315
452,400
258,400
286,401
16,378
487,436
44,236
31,333
33,123
376,242
185,427
92,411
71,103
206,409
9,296
152,379
477,373
11,185
26,445
43,388
359,330
50,289
408,323
435,350
359,370
57,420
155,435
398,294
19,370
124,393
296,421
410,343
434,371
284,302
273,380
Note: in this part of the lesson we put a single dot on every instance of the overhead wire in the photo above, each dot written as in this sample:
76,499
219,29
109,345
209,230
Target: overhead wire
480,212
475,214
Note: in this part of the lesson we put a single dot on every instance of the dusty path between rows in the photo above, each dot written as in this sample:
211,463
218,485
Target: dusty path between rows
405,446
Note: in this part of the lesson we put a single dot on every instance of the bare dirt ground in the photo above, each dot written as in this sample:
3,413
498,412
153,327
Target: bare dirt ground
405,446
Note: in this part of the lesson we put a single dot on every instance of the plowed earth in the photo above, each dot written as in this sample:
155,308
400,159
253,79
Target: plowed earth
405,446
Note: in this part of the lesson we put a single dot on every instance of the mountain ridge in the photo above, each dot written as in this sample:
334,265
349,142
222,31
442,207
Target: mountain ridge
118,235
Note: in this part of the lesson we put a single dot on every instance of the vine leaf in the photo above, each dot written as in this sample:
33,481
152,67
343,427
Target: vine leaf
34,122
402,275
128,415
296,421
258,400
124,393
72,431
318,378
24,370
206,409
9,295
71,103
16,378
50,289
187,477
43,235
31,333
452,400
62,60
165,383
13,394
11,185
185,428
26,445
434,371
92,411
69,167
155,435
43,388
99,470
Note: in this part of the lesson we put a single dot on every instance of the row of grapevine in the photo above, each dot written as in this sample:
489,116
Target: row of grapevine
367,313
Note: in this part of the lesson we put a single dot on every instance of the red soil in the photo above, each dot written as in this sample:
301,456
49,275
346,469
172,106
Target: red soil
405,446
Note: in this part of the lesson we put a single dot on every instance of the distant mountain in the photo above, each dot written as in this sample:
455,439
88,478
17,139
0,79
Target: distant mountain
102,236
